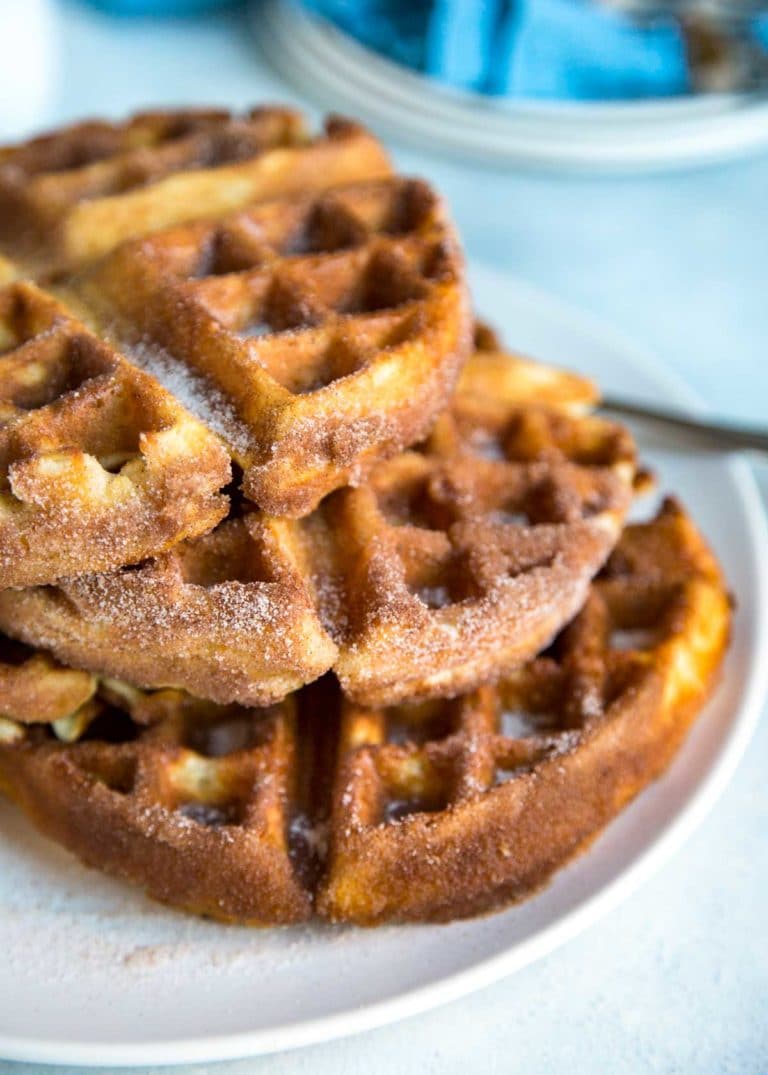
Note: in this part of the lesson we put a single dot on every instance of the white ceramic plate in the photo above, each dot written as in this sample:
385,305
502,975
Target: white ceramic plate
332,68
93,973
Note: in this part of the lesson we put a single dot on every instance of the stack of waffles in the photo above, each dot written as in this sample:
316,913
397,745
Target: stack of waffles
314,601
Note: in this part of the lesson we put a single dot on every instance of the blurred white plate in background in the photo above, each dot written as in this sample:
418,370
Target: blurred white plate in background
333,69
93,973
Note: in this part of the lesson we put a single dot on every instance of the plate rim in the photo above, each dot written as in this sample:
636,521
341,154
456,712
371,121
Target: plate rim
483,973
328,65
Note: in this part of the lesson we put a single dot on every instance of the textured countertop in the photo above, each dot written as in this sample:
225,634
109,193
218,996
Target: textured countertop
676,979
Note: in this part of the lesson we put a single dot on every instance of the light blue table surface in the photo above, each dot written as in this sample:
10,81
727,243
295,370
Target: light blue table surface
675,980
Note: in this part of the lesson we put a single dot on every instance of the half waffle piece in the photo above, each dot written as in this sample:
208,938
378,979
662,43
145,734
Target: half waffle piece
316,333
99,465
442,570
190,800
71,196
448,809
468,554
229,616
437,809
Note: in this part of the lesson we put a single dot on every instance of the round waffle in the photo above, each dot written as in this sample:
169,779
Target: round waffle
420,811
454,561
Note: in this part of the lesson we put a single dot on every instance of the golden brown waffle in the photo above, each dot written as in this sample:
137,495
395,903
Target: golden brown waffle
192,801
438,810
508,545
453,808
317,333
99,465
73,195
469,554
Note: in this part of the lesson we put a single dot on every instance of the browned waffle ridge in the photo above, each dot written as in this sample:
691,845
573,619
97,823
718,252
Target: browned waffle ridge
496,377
35,688
73,195
439,810
305,304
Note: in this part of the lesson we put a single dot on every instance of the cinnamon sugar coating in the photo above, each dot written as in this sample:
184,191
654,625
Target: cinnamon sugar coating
310,333
467,555
316,601
448,809
230,616
190,800
99,465
454,561
417,812
35,688
330,327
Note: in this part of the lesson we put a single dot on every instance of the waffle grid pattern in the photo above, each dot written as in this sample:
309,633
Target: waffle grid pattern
98,465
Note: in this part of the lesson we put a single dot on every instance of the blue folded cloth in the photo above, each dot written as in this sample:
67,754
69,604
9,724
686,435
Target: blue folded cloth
521,48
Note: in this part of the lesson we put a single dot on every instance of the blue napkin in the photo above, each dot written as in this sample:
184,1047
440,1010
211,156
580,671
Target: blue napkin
158,7
521,48
761,30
